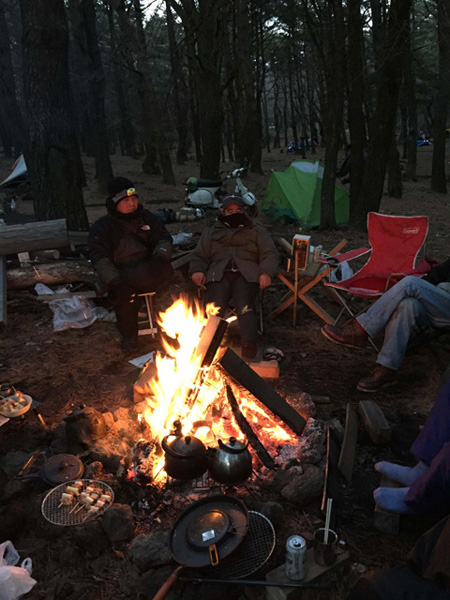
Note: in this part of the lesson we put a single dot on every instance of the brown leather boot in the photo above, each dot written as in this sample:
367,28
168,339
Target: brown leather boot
380,378
351,335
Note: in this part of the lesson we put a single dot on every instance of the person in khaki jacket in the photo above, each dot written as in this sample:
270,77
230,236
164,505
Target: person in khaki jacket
233,258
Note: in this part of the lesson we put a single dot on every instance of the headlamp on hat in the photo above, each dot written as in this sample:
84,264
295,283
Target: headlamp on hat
124,194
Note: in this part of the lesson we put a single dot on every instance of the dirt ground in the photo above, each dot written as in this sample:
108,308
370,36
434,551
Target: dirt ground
86,365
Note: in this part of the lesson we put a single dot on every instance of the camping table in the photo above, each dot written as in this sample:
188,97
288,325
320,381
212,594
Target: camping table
301,282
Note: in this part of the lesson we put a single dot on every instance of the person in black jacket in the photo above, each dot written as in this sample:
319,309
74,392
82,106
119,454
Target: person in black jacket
130,249
410,303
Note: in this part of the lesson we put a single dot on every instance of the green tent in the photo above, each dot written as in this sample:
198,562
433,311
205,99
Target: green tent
295,195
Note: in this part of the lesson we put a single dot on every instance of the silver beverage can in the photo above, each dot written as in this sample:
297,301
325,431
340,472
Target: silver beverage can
295,557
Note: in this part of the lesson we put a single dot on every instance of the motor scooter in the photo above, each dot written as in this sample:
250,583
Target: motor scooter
208,193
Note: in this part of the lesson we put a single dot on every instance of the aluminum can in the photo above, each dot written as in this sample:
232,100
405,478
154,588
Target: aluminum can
295,557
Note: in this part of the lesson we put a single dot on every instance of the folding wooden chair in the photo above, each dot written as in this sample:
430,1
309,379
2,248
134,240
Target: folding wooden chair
300,283
395,242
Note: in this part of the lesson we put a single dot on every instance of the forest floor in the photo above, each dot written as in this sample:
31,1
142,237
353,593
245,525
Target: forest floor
75,365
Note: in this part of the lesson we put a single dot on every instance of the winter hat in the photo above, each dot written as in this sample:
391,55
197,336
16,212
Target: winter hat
120,188
232,199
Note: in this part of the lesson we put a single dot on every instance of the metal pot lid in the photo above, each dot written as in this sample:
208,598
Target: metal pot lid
186,553
61,468
209,527
233,446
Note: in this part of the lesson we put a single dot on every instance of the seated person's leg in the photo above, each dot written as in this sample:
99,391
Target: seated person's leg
432,491
126,309
409,313
244,296
150,276
219,292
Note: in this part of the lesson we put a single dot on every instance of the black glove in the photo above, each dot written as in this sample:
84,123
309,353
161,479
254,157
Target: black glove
122,292
162,252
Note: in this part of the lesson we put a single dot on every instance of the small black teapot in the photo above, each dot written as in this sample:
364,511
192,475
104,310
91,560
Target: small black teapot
230,463
185,456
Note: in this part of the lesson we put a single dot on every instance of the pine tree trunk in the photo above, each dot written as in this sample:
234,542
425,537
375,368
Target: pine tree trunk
395,184
179,89
386,108
13,131
438,181
411,103
104,172
248,142
52,156
127,135
356,118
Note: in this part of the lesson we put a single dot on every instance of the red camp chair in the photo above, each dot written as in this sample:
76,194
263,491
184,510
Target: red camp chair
395,243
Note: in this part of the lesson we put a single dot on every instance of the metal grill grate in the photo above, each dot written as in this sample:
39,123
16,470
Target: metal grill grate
252,554
67,514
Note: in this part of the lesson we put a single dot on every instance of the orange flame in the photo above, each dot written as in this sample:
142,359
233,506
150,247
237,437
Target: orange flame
183,323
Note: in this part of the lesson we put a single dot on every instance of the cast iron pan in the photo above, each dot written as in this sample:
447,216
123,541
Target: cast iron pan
208,531
204,534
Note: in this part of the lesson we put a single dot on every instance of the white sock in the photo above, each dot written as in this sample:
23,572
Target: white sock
405,475
392,499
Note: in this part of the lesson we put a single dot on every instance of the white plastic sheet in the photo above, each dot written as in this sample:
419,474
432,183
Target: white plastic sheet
71,313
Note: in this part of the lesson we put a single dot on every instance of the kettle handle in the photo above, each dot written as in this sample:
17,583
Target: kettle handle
232,450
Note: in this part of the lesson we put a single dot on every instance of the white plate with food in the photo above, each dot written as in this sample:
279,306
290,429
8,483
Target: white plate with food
77,502
15,405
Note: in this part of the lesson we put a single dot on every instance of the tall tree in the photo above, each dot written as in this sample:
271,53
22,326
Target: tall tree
411,106
248,142
386,109
12,130
104,172
328,34
356,93
204,25
438,181
180,92
127,139
52,155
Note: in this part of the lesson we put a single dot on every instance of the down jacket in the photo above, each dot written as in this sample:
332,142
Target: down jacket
250,247
117,243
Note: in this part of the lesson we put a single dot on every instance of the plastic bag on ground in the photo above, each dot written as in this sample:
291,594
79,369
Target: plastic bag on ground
71,313
14,581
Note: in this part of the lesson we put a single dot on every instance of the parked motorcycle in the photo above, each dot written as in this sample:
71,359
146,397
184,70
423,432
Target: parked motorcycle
208,193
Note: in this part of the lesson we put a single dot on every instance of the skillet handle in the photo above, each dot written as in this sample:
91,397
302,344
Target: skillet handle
213,555
167,585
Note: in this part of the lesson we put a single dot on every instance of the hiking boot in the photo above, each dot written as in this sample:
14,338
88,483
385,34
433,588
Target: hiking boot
129,343
352,335
248,350
380,378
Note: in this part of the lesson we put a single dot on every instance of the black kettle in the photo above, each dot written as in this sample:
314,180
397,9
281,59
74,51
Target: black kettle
185,456
230,463
84,425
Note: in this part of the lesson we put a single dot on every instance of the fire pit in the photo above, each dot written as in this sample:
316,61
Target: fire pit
202,406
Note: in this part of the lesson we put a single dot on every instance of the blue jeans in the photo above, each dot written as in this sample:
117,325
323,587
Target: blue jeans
409,303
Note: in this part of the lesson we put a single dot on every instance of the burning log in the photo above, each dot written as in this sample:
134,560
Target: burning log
205,352
243,374
253,440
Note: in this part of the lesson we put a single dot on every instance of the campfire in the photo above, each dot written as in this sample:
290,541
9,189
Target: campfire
203,396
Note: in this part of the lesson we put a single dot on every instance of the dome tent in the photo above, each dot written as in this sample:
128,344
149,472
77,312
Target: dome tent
296,192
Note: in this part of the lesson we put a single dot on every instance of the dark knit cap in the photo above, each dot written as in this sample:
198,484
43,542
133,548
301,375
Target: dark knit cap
232,199
120,188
